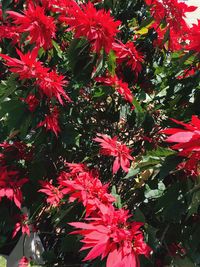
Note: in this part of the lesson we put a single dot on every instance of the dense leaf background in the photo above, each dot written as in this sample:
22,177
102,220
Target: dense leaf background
165,198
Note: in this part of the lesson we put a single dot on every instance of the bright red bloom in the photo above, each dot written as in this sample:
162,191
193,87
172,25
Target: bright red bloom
54,194
194,37
9,32
187,142
96,25
111,236
51,84
172,11
60,6
27,67
22,224
112,147
51,121
32,102
192,70
41,28
121,87
24,262
87,189
128,53
10,185
76,168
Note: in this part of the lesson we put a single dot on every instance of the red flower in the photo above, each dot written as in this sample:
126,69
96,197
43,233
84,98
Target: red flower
24,262
87,189
121,87
32,102
187,142
194,37
189,72
27,67
111,236
54,194
7,31
22,224
172,11
41,28
51,84
10,185
128,53
96,25
60,6
51,121
112,147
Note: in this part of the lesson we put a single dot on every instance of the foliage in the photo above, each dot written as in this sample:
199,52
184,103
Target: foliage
88,92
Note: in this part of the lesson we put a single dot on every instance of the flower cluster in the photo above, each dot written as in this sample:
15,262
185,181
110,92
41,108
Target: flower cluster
169,16
106,230
97,26
11,178
120,86
112,147
41,28
187,143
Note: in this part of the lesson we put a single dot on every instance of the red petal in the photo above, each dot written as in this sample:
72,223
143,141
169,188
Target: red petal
116,165
181,137
114,257
196,121
96,251
82,225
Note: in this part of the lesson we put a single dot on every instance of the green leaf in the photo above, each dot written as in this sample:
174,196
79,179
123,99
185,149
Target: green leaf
3,262
161,152
148,162
194,205
5,5
171,204
7,87
57,48
169,165
155,193
131,173
183,262
139,216
140,113
137,105
118,202
111,62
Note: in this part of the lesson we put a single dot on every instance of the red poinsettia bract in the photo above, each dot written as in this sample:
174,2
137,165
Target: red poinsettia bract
22,224
51,84
112,147
51,122
172,12
194,37
54,194
97,26
41,28
86,187
111,235
27,67
24,262
32,101
187,142
10,185
128,53
121,87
